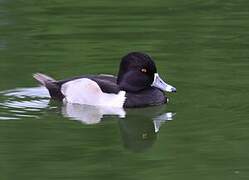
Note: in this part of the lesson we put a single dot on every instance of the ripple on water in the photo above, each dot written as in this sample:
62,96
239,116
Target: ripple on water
23,102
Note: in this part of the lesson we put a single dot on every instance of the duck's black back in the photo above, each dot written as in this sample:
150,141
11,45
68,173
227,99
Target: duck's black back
106,83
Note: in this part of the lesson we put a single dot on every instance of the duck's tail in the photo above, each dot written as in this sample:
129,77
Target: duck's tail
51,84
43,79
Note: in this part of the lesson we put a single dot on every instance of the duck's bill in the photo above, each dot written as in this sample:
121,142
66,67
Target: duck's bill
159,83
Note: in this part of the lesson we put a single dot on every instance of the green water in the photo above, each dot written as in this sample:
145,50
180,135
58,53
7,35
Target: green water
200,47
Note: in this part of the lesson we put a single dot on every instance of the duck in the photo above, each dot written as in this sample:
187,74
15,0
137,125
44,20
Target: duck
137,84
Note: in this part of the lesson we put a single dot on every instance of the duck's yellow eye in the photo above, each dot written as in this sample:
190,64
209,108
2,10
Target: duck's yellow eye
144,70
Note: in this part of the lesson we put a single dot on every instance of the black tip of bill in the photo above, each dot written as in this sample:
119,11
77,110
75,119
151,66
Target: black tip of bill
173,89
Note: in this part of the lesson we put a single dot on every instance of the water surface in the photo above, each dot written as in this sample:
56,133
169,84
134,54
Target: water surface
200,47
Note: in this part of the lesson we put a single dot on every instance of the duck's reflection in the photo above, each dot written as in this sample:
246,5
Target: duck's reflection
89,114
94,114
139,127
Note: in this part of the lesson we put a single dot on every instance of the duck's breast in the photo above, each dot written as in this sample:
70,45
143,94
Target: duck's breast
148,97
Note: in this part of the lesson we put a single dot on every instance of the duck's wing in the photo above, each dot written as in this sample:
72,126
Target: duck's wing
107,83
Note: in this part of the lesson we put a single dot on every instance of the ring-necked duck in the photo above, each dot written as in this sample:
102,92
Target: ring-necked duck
137,85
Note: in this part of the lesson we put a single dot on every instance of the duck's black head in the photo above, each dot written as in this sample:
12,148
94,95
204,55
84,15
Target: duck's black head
138,71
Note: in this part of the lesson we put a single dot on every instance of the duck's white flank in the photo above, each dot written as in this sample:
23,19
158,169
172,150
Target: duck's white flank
86,91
